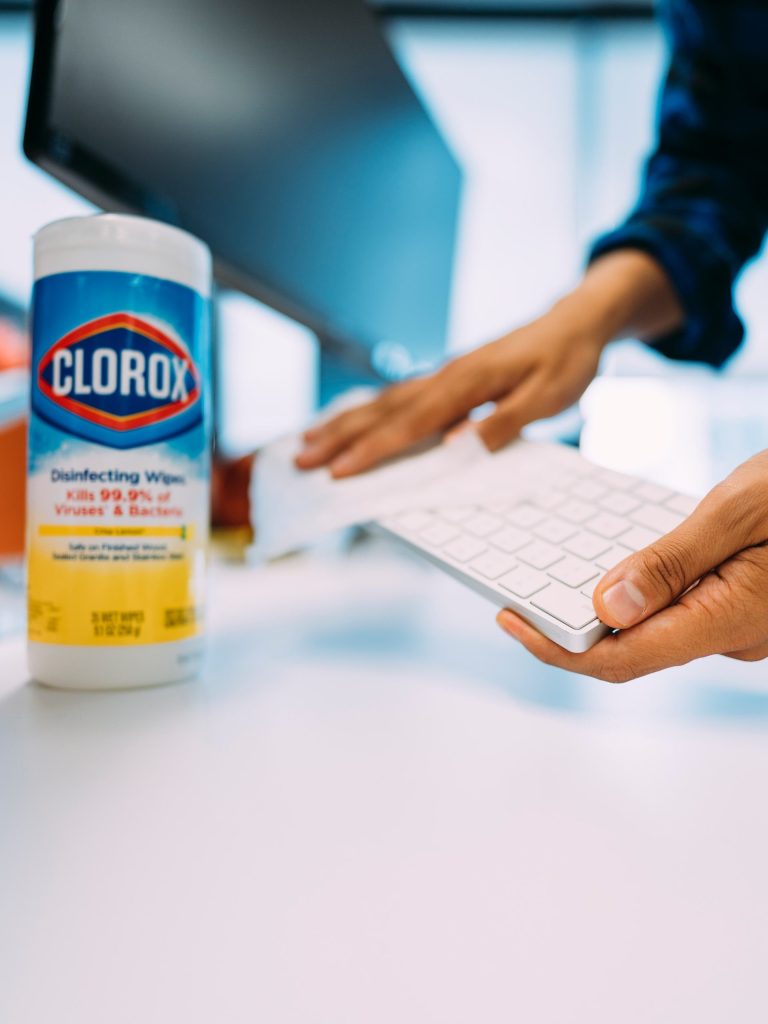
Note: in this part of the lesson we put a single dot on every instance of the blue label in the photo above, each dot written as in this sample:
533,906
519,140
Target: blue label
118,358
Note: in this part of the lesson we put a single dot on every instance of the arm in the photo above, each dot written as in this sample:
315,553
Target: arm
665,276
533,372
701,589
701,216
704,206
624,293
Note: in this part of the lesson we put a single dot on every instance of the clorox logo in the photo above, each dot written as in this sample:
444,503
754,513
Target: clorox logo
118,375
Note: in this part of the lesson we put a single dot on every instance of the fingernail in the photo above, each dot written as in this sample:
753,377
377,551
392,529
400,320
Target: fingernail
505,620
305,455
625,602
343,465
462,428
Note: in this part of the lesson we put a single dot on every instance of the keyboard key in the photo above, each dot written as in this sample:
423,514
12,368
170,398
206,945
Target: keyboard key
412,522
458,514
684,504
576,511
548,500
464,548
539,554
613,555
656,518
569,606
638,537
589,490
438,534
523,581
524,515
555,542
510,539
586,545
619,502
482,524
555,530
653,492
492,565
563,480
588,589
607,525
574,572
617,481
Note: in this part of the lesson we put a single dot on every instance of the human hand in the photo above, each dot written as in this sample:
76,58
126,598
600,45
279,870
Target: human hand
533,372
724,546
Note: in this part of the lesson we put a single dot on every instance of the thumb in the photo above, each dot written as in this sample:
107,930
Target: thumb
657,575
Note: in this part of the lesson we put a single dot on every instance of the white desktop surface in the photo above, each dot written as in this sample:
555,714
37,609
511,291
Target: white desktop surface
375,808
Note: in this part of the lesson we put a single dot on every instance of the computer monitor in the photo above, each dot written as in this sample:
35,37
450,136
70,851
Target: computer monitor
282,132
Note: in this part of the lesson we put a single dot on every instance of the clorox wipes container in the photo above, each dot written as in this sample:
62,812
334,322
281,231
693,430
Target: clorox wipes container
119,466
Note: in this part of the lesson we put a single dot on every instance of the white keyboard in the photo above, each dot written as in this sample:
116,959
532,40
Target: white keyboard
543,549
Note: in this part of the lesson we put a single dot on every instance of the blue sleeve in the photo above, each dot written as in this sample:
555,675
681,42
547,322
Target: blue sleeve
703,210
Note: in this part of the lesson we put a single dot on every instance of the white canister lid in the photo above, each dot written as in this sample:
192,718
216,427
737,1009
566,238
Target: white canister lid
122,242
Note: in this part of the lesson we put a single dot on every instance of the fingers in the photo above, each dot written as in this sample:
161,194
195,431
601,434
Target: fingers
511,414
400,417
616,659
325,441
393,435
654,577
523,372
725,614
408,412
672,637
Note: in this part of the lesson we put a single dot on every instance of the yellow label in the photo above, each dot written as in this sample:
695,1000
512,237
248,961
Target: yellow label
110,586
182,532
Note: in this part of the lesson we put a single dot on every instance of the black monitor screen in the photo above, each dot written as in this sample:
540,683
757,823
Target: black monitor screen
282,132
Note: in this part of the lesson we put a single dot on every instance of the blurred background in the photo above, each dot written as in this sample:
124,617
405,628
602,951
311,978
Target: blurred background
549,115
548,110
376,807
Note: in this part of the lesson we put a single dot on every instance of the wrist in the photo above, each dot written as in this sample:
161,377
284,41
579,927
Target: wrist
584,318
627,294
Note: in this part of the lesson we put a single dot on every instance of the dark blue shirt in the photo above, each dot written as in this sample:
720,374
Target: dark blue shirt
703,210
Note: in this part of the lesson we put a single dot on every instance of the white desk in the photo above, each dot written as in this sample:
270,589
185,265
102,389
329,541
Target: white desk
377,810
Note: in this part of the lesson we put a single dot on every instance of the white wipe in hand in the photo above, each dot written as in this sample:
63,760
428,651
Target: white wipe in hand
293,507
